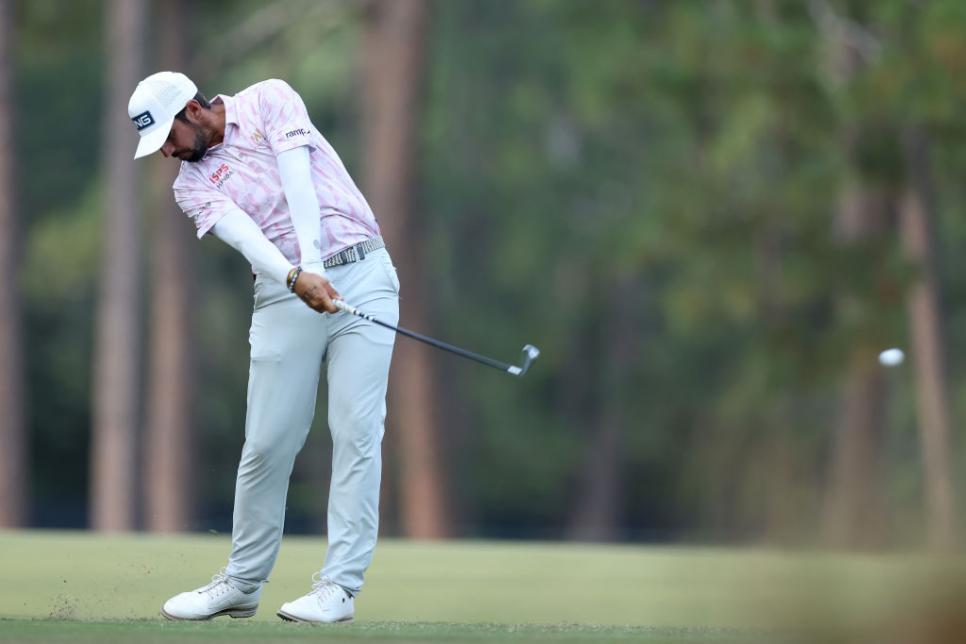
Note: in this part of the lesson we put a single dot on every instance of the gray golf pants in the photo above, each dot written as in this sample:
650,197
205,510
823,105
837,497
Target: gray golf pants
289,342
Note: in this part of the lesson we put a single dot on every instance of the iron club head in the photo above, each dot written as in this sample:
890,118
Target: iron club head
530,353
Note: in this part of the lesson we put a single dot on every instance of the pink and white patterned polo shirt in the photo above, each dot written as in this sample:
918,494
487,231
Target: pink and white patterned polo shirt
261,122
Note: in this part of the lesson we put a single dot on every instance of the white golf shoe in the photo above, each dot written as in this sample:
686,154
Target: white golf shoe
219,597
327,603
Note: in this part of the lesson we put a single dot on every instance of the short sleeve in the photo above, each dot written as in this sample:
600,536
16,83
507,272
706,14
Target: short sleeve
203,205
284,116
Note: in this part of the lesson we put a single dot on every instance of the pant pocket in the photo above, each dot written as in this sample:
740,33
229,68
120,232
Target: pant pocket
261,347
390,271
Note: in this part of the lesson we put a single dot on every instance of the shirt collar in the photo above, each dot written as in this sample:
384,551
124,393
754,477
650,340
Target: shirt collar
231,117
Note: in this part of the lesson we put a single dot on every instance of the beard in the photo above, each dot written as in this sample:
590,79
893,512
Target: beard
200,147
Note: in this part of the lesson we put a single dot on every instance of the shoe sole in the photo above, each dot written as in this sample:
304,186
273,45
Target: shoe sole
292,618
234,613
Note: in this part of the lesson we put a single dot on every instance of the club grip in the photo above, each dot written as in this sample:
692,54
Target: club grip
342,306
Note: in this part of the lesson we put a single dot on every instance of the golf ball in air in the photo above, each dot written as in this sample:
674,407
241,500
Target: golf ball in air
891,357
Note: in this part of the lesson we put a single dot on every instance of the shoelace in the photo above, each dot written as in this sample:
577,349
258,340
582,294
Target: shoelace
219,585
324,588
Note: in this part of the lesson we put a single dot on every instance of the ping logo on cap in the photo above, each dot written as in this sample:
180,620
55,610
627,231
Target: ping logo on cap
143,120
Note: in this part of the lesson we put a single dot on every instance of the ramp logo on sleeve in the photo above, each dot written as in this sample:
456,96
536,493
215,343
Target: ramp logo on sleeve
143,120
299,132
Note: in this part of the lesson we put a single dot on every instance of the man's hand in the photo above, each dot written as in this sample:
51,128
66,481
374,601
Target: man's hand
317,292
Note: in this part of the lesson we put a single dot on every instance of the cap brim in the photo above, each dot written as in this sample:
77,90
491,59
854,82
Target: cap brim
152,141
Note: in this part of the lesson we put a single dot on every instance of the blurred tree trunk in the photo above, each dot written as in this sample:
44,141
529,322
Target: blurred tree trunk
168,446
394,42
597,512
13,455
916,209
853,504
118,343
852,513
853,509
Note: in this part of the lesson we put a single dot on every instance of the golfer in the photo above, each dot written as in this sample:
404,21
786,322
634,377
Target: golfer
257,174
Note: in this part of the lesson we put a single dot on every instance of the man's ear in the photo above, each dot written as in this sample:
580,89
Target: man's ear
193,111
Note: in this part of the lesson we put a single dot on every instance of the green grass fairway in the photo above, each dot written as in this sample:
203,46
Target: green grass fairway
66,586
144,632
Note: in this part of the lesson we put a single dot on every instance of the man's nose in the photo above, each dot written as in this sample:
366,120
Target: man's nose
167,149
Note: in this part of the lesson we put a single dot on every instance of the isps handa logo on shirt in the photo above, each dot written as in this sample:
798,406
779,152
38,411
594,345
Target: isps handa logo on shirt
221,175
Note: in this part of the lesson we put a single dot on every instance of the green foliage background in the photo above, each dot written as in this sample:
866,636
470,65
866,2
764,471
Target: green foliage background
646,190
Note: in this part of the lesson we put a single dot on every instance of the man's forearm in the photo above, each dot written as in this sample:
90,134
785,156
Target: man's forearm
241,233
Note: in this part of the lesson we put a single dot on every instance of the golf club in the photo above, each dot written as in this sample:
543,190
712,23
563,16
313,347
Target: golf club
530,352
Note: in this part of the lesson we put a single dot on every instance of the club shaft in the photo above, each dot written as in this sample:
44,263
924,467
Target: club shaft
490,362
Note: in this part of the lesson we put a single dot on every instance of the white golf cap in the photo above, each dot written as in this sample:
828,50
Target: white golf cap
153,105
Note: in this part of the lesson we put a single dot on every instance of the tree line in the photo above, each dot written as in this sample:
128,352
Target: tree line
710,217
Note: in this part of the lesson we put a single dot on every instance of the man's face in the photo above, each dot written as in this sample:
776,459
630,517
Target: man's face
187,141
